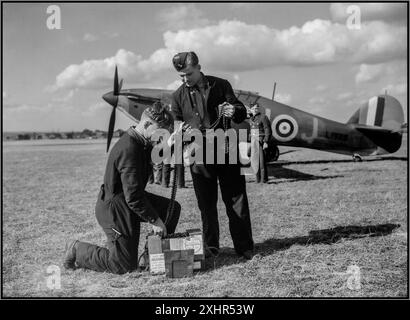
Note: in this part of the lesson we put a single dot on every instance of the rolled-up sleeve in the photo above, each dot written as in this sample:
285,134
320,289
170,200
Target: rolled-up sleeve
131,171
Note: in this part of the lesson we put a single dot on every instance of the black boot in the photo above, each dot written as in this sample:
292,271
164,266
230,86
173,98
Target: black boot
70,254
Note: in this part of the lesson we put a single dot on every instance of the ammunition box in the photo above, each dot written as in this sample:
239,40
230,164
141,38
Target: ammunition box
172,256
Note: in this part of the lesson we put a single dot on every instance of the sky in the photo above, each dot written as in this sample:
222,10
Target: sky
326,58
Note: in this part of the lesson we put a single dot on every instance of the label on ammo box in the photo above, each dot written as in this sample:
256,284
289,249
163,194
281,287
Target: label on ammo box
191,242
176,244
194,242
157,263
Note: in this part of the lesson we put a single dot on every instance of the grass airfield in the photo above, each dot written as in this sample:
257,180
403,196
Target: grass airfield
324,226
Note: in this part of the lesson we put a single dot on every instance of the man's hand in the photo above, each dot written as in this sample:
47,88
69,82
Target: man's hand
265,146
158,227
227,109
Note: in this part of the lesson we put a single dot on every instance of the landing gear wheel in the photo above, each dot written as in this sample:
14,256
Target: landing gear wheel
357,158
272,153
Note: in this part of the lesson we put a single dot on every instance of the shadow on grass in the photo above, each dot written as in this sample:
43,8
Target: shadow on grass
389,158
276,169
227,256
286,173
325,236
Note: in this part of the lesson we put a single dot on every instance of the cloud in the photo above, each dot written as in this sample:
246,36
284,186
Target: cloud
67,97
369,73
99,73
390,12
284,98
182,16
234,46
90,37
372,73
237,46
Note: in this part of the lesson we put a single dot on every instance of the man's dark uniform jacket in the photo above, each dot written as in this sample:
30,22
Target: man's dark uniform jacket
217,92
261,123
185,107
126,176
122,204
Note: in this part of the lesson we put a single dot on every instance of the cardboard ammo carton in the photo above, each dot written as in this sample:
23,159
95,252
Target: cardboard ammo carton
179,263
171,255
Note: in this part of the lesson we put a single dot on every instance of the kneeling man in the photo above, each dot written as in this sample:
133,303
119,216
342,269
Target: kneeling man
123,203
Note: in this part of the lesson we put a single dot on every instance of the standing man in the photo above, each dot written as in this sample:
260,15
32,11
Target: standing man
261,125
196,102
123,203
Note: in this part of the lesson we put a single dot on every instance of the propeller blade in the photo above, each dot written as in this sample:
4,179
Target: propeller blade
116,85
111,128
112,98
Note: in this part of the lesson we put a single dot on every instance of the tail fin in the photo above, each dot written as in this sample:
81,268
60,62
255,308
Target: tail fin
380,119
380,111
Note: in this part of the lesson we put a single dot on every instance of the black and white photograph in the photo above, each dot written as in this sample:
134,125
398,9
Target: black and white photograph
204,150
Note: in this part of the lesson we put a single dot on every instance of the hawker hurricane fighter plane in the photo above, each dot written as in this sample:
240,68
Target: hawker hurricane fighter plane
374,129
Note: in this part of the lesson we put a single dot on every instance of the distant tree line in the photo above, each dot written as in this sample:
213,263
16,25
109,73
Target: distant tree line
85,134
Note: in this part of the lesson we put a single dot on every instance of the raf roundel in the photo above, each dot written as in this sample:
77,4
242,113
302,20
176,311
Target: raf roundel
284,128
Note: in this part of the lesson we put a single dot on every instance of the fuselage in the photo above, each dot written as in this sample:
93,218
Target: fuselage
294,127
